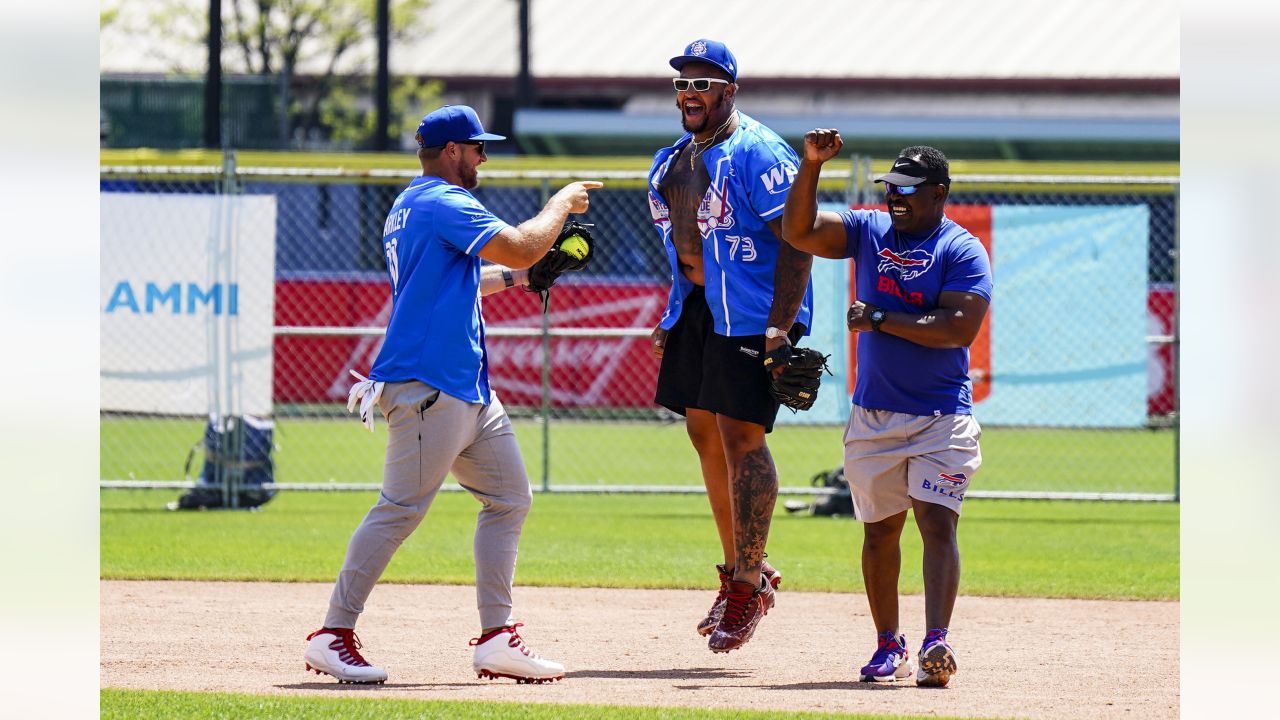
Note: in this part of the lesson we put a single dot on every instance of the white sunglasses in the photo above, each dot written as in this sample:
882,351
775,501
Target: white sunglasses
698,84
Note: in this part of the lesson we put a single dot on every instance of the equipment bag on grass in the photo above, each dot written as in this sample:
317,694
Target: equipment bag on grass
838,503
237,450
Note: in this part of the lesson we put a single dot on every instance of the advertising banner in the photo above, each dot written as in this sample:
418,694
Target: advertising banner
187,293
585,372
1069,342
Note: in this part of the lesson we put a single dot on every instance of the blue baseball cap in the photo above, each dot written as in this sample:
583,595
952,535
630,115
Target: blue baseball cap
451,123
712,52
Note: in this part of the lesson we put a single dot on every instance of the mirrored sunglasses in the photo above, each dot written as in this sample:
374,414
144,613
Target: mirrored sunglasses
890,188
697,84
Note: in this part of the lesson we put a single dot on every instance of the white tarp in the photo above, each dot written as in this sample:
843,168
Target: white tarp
187,303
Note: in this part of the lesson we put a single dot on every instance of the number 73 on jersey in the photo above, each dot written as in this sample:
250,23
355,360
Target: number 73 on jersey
741,248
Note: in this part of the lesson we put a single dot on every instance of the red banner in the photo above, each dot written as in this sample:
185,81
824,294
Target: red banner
1161,371
596,372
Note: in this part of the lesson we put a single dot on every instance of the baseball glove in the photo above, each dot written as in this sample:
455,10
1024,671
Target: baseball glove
797,385
567,254
544,273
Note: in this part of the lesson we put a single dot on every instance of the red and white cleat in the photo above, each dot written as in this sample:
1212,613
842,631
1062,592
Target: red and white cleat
502,653
336,652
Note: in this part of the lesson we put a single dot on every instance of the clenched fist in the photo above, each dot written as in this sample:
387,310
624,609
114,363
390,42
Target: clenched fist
821,145
857,319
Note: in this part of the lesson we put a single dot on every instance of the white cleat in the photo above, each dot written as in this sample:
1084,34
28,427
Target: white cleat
336,652
503,654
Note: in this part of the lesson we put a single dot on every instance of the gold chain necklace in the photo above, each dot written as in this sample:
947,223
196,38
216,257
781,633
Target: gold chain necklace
695,151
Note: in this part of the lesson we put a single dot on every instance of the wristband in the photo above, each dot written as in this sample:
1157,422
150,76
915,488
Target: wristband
507,278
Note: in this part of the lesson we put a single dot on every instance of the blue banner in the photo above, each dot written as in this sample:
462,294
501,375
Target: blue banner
1069,317
828,334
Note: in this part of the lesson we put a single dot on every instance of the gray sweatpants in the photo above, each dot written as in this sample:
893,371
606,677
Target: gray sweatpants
432,433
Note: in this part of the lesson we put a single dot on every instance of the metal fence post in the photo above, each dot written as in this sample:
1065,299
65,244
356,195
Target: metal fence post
1177,341
227,425
228,172
546,372
859,170
851,188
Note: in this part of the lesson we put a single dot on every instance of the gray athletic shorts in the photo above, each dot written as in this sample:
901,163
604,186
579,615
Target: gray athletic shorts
891,457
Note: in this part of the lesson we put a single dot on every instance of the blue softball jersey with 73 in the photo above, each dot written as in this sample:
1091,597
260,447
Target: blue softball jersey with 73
751,173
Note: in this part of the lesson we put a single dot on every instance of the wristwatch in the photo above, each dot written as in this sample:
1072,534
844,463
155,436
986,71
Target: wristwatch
877,317
773,332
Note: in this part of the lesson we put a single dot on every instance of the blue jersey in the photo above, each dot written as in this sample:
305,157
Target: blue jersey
905,273
436,335
751,173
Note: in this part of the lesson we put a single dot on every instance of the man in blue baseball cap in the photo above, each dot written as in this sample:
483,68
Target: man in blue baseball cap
457,124
712,52
431,382
737,293
451,123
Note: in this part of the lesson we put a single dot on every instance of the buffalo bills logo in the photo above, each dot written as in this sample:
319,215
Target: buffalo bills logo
715,212
658,209
908,265
952,479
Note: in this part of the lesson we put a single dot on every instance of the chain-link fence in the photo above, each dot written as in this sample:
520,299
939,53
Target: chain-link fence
1074,371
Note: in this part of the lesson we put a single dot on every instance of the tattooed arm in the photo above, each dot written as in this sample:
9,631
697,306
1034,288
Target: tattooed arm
790,280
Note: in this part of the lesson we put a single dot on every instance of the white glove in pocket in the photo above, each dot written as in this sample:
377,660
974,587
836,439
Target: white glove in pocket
364,393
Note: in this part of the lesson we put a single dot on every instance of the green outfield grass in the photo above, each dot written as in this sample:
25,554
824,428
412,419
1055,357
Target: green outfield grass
358,164
636,453
148,705
404,160
1011,548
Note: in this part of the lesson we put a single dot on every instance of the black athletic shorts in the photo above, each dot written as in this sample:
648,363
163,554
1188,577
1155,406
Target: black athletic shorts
707,371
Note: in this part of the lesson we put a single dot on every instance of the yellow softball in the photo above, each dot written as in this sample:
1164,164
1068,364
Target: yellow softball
576,247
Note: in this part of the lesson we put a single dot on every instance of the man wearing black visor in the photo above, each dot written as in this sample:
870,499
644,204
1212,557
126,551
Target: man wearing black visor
923,287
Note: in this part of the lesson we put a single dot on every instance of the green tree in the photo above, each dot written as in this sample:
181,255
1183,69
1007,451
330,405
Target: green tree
352,125
332,41
107,15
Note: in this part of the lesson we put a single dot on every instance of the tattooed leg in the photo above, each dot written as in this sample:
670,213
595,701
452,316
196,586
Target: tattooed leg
753,491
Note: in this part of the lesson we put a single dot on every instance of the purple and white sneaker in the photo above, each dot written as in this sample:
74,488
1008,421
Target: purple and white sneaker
937,660
891,661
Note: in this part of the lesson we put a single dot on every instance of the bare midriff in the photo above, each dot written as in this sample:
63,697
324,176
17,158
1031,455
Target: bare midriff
684,189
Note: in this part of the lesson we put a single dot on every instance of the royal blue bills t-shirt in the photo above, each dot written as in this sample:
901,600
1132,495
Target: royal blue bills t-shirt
906,273
436,335
751,173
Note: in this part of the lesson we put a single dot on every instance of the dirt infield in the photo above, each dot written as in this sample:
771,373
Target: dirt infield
1018,658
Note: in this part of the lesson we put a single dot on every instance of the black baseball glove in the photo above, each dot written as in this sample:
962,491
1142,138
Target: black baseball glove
573,249
564,256
797,385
